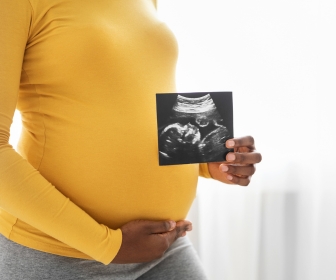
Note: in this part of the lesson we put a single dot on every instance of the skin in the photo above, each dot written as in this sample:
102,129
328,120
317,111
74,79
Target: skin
145,240
239,165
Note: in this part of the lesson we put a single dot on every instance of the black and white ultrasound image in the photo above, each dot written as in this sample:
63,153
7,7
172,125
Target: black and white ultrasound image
193,127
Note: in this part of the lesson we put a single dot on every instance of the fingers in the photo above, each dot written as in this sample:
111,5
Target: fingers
182,227
180,230
169,237
243,158
238,175
154,227
247,170
244,151
246,141
146,240
239,165
237,180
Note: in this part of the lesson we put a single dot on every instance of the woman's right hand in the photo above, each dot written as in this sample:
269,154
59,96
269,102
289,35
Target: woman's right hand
144,240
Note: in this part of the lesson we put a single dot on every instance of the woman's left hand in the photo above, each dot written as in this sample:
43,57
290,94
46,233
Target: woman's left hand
239,165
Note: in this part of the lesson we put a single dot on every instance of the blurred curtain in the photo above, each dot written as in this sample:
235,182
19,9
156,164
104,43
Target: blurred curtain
278,59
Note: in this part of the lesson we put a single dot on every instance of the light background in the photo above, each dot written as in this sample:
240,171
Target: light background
278,59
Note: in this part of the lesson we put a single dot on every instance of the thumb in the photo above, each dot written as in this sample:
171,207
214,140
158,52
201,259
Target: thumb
155,227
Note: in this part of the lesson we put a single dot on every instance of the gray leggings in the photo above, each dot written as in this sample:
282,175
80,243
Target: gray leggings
21,263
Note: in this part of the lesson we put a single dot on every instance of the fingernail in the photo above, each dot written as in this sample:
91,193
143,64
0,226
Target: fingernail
224,168
230,157
172,225
230,143
229,177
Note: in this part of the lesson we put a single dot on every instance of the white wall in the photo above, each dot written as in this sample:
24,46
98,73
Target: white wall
278,59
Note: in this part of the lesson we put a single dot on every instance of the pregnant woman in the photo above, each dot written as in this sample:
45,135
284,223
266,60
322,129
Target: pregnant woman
84,197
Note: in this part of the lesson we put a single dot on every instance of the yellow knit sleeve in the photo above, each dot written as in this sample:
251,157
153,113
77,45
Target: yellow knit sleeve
204,170
24,192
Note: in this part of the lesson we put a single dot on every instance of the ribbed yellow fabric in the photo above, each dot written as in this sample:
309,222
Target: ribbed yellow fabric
84,75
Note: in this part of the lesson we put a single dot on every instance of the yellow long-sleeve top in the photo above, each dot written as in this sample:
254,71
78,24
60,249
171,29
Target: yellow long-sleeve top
84,75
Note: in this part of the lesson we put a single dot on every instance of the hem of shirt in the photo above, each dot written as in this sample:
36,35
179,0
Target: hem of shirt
10,229
48,248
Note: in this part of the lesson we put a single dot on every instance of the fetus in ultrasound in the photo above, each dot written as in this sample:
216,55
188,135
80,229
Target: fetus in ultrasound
195,132
180,142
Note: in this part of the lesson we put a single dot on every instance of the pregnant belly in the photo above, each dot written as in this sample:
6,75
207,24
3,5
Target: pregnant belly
112,172
119,191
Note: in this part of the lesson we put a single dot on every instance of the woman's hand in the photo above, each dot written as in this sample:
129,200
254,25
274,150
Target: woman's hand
144,240
239,165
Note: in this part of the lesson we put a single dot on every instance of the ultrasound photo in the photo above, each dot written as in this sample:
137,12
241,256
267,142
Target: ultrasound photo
193,127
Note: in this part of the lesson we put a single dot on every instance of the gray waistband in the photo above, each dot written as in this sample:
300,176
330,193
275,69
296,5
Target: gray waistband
21,263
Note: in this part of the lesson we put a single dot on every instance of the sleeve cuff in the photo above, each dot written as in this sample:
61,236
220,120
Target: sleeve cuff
113,248
204,170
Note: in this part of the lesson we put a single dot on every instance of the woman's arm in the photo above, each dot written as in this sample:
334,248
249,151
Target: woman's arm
24,192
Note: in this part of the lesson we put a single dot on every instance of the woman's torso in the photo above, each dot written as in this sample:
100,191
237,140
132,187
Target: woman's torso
87,97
